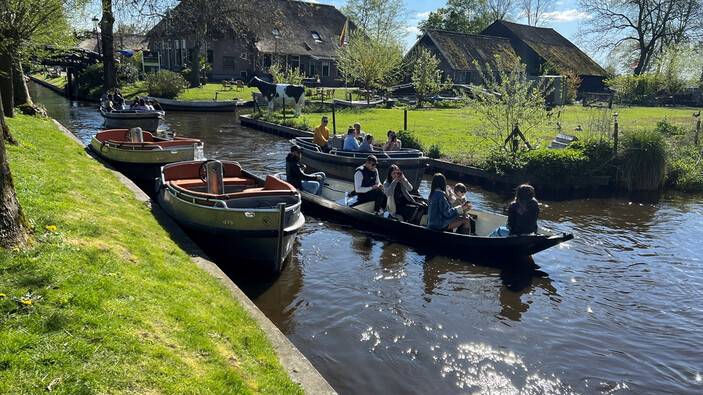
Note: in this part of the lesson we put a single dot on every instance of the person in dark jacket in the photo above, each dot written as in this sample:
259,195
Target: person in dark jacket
367,184
523,211
295,173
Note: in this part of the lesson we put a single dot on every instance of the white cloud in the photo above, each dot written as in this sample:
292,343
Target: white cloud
423,15
411,29
566,16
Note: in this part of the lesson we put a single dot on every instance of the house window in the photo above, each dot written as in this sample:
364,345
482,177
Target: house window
228,62
294,62
267,60
312,70
316,36
243,74
210,56
177,52
276,32
244,56
184,54
325,69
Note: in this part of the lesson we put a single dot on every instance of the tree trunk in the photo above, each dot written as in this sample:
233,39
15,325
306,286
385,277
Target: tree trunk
13,224
106,27
6,86
195,65
21,93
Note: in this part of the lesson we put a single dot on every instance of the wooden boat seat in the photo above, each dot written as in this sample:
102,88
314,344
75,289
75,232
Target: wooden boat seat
186,171
272,186
228,181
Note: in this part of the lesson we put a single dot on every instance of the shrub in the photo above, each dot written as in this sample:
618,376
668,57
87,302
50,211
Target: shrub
686,169
554,165
503,162
90,80
435,151
668,129
643,160
166,84
409,140
599,153
127,74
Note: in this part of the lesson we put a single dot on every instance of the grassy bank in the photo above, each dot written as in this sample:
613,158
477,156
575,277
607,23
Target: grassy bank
104,301
458,131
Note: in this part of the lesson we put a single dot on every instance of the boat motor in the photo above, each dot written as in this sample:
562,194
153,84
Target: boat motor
135,135
215,177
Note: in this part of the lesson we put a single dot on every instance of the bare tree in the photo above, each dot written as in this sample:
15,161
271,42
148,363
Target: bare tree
536,11
382,20
648,26
500,9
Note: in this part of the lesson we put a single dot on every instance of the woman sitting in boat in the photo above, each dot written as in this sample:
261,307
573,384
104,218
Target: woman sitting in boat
523,211
295,174
401,204
350,143
441,215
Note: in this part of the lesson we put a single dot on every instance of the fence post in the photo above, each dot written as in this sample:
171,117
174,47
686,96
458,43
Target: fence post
698,129
405,119
334,121
615,133
284,108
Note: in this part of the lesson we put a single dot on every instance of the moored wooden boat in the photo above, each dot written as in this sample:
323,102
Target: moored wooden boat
196,106
141,154
341,164
233,213
496,249
127,119
357,103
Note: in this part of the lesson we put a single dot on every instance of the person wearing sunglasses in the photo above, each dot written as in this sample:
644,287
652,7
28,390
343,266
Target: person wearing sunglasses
322,133
367,184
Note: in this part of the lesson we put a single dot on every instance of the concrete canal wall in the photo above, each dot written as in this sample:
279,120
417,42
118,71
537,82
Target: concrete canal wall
502,184
296,364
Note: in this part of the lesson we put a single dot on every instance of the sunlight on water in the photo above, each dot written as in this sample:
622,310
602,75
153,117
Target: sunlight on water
481,368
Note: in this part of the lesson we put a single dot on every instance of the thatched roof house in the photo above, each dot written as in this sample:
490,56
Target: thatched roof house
245,38
457,53
544,50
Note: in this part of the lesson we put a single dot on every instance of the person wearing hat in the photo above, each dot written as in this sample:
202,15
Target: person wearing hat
295,173
367,184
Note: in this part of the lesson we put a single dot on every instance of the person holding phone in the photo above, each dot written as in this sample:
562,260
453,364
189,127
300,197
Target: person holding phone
401,204
393,143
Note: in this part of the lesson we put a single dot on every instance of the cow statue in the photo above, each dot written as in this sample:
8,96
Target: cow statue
279,93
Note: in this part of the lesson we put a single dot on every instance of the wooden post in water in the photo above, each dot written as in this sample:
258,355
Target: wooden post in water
334,121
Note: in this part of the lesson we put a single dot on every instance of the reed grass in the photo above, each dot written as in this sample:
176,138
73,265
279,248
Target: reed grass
104,301
643,159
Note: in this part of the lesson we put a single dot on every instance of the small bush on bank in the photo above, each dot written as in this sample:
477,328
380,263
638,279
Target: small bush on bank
599,153
668,129
685,170
166,84
127,74
435,151
409,140
643,160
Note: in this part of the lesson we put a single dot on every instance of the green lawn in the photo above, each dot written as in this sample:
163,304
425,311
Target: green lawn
458,130
103,301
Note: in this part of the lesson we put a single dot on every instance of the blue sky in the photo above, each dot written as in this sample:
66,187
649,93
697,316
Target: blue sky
565,19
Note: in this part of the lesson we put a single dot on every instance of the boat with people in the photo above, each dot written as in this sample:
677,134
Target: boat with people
196,105
140,154
338,163
336,204
126,119
233,213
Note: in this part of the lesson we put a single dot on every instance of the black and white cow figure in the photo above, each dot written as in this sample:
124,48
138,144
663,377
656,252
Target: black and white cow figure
280,92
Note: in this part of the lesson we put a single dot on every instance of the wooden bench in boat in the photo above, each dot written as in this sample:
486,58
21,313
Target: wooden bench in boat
272,187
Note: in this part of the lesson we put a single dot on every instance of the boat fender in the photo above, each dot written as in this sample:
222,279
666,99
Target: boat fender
135,134
215,177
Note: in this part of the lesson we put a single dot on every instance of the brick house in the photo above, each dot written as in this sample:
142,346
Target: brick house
253,36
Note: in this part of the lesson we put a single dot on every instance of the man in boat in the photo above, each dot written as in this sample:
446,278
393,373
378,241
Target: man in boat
367,145
295,173
322,134
367,184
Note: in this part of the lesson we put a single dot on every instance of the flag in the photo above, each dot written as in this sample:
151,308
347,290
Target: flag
343,36
128,52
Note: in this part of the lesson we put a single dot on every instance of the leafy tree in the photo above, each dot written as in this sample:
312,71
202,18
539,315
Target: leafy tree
536,11
463,16
648,26
573,82
286,76
366,61
426,77
507,101
382,20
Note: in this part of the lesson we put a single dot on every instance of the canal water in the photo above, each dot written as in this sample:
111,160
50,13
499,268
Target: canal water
617,310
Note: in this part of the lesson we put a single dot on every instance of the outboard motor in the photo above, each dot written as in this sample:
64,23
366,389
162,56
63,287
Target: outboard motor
215,177
135,135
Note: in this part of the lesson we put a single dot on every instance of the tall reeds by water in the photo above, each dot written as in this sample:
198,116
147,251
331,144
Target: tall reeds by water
643,160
